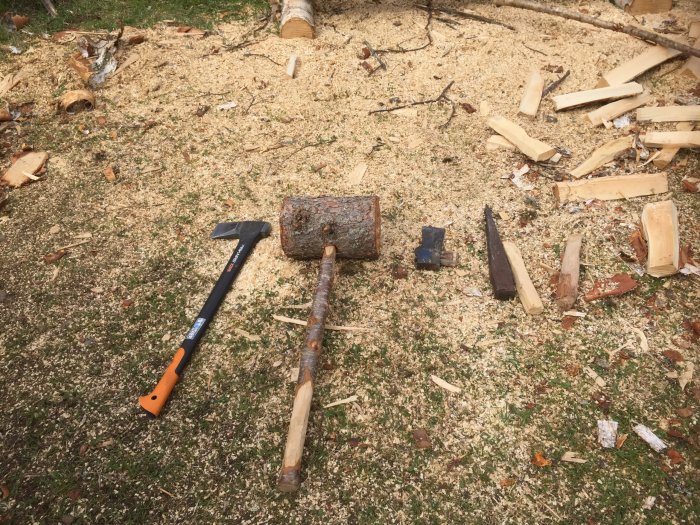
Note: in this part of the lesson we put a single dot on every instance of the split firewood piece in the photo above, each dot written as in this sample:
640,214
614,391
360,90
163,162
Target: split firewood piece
297,20
532,95
23,170
649,437
611,188
603,155
496,142
526,290
292,65
581,98
618,284
679,139
608,112
694,29
667,153
502,280
643,7
669,114
567,286
631,69
660,227
607,433
692,65
533,148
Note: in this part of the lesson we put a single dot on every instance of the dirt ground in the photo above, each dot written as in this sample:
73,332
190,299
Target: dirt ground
83,337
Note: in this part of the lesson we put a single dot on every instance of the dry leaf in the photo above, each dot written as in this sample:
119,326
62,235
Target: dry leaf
621,440
540,461
54,257
420,436
618,284
508,482
126,303
5,491
639,246
673,355
74,494
20,21
675,456
567,322
684,411
110,175
691,184
687,375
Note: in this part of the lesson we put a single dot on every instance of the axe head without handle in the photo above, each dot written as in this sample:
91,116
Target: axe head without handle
241,230
430,254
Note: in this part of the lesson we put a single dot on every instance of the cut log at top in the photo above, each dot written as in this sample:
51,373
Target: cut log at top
567,286
669,114
667,153
630,70
660,226
642,7
606,153
608,112
611,188
297,20
533,148
679,139
532,304
532,94
692,65
581,98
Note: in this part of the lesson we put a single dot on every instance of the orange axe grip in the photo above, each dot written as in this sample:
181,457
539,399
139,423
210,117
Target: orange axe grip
154,402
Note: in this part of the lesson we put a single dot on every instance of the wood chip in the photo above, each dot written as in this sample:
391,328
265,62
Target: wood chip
345,401
246,335
607,432
651,439
299,322
572,457
357,174
23,170
591,373
444,384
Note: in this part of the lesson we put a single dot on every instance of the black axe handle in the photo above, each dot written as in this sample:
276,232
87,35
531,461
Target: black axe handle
154,402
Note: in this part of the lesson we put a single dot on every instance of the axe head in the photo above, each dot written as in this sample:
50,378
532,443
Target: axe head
241,230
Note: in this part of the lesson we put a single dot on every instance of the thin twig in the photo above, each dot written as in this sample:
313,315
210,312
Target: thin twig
262,56
321,142
441,96
554,85
470,16
429,9
535,50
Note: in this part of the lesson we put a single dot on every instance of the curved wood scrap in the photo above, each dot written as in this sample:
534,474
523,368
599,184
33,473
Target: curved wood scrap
660,226
290,473
603,24
297,19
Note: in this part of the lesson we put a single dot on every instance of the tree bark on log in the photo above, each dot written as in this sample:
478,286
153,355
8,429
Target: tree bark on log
297,20
567,287
351,224
603,24
290,474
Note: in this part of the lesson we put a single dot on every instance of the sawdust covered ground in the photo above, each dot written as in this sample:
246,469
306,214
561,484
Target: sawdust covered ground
83,338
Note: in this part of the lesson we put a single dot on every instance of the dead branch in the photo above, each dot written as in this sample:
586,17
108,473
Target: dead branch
442,97
554,85
261,56
429,9
50,7
470,16
603,24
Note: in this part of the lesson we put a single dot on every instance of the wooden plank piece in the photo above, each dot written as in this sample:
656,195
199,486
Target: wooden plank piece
496,142
606,153
667,153
679,139
581,98
533,148
532,304
502,280
631,69
669,114
610,111
610,188
660,227
567,286
532,94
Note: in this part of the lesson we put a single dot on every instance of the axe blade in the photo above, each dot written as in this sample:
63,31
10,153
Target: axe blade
236,230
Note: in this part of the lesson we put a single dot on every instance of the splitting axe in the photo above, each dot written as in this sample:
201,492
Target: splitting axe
248,234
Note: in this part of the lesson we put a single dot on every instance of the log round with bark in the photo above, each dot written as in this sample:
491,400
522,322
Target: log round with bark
351,224
297,20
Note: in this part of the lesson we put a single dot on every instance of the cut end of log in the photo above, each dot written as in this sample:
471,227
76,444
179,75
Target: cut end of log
297,28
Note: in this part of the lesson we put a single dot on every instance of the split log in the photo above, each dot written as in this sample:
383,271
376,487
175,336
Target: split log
495,142
502,280
611,188
630,70
679,139
603,24
667,153
297,20
581,98
660,227
613,110
669,114
526,290
533,148
532,95
567,286
603,155
643,7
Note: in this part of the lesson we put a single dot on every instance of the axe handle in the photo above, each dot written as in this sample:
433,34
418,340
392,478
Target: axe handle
290,474
154,402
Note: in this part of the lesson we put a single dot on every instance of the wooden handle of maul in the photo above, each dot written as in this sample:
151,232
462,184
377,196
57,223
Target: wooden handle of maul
290,474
